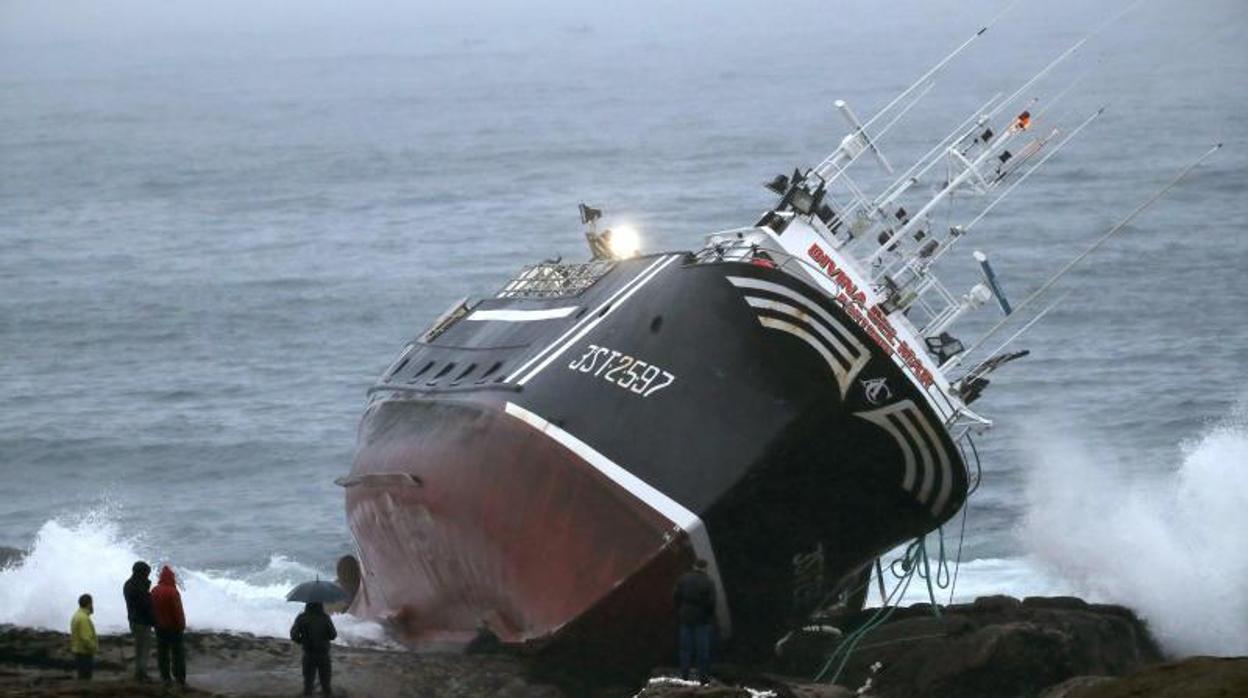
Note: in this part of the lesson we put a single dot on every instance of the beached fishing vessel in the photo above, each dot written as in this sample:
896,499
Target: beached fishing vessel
548,460
787,402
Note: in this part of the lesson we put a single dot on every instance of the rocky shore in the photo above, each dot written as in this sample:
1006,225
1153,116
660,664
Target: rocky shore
995,647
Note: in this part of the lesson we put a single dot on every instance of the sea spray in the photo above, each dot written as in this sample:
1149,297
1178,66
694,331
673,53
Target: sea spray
1019,577
1171,548
90,555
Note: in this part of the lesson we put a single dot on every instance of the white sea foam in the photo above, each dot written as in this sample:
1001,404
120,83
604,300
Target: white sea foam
1173,549
91,555
1019,577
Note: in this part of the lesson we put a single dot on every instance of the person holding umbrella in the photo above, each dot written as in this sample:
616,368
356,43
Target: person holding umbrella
313,631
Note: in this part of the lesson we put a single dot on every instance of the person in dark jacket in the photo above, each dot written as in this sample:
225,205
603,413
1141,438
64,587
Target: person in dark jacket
137,591
695,608
313,630
170,625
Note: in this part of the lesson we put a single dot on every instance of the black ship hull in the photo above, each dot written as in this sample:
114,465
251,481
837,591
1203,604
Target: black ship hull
545,468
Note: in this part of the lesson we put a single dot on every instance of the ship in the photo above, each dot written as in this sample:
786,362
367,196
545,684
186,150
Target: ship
787,402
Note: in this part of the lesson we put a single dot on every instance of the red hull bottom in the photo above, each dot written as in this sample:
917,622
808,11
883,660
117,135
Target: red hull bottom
470,520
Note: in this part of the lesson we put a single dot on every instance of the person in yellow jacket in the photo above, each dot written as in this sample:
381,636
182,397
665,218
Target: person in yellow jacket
82,640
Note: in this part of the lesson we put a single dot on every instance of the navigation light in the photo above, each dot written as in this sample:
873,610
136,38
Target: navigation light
624,242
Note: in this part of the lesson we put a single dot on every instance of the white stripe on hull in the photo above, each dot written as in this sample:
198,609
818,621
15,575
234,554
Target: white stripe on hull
916,450
844,368
521,315
672,510
946,472
588,318
845,355
828,358
801,316
602,313
880,419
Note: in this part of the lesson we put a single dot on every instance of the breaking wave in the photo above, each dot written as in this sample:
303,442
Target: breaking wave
1171,548
1019,577
90,555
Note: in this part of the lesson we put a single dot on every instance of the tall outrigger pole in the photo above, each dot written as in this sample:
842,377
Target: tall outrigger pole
890,246
1114,230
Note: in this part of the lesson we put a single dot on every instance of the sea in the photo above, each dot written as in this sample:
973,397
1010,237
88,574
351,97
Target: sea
219,223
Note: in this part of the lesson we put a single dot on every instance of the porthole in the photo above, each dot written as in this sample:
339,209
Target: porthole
467,369
423,370
401,365
445,370
490,371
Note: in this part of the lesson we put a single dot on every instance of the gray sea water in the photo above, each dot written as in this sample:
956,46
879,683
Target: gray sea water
219,224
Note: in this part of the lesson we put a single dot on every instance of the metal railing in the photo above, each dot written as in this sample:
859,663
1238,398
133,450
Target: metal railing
550,280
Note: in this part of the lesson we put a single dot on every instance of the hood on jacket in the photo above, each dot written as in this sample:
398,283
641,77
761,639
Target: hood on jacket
166,576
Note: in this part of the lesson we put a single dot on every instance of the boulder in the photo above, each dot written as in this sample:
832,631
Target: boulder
759,685
10,557
804,648
1073,687
1194,677
1068,603
997,647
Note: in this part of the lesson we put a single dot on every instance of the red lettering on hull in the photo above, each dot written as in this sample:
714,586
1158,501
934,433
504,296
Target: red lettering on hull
873,320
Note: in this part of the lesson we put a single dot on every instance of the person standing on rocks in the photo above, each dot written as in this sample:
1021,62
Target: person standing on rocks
170,625
695,608
83,642
137,591
314,630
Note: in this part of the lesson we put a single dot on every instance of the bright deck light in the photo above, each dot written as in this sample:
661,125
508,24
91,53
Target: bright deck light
624,242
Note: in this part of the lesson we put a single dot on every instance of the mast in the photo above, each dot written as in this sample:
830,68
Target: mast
884,247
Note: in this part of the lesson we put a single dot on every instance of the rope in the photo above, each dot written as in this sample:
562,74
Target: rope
914,562
957,562
966,506
847,645
904,569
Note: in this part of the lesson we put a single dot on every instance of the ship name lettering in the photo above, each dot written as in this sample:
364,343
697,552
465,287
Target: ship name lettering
623,371
880,340
838,275
873,320
916,365
880,321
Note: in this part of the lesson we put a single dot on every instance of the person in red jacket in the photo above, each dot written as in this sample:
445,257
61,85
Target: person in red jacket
170,624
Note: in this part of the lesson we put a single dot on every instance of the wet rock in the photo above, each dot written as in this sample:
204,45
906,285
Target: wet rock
10,557
43,649
814,690
1195,677
519,688
1072,687
1069,603
669,687
65,685
996,604
37,662
999,647
807,647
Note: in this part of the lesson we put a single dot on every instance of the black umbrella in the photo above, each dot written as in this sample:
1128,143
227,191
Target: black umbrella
317,592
